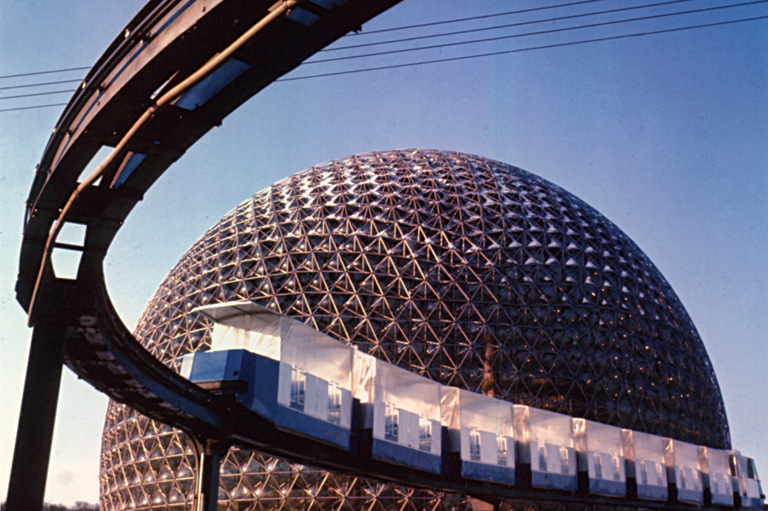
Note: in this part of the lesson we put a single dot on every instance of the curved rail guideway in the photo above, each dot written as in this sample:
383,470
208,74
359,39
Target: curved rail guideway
178,68
176,71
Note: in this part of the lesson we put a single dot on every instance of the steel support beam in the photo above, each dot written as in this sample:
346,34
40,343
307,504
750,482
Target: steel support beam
209,456
32,452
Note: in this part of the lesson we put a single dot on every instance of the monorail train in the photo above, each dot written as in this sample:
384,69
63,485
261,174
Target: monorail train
312,385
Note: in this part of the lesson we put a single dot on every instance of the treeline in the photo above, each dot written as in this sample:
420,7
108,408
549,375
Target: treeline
79,506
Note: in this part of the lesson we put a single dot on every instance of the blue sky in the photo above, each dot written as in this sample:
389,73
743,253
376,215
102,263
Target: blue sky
664,134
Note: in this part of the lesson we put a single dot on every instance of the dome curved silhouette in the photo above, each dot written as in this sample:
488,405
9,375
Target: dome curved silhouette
463,269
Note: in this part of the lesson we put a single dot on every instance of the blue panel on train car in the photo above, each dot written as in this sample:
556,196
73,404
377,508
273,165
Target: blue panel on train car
403,410
607,487
328,426
264,384
717,476
384,449
684,470
651,479
652,492
719,493
298,422
753,502
690,496
486,472
549,449
479,434
230,365
645,464
565,482
689,485
601,456
229,371
313,406
752,491
225,370
553,466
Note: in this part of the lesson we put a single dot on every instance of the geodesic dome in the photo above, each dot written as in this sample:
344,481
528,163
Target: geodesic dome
468,271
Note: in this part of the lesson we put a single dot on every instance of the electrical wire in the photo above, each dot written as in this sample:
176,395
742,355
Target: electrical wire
34,94
35,107
472,18
41,84
540,32
34,73
521,50
457,20
435,61
509,25
560,18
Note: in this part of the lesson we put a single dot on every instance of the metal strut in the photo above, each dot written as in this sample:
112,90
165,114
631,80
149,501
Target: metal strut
32,452
209,455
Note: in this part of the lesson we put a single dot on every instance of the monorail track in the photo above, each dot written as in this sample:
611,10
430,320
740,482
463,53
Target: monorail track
175,72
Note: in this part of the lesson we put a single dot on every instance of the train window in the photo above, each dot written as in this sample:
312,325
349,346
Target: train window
425,433
391,422
334,403
732,465
751,471
543,458
643,472
616,468
298,388
501,450
689,478
719,484
598,465
474,444
564,460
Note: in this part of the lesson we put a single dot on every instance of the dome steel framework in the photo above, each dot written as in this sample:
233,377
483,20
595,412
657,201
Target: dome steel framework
468,271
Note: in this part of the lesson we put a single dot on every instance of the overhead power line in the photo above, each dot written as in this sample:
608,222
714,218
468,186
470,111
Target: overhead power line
447,59
539,32
444,22
41,84
509,25
457,20
521,50
35,107
473,18
34,73
34,94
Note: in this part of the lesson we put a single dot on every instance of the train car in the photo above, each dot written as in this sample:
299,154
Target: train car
297,377
228,371
645,465
747,483
310,384
600,455
545,444
684,471
717,476
401,413
479,435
